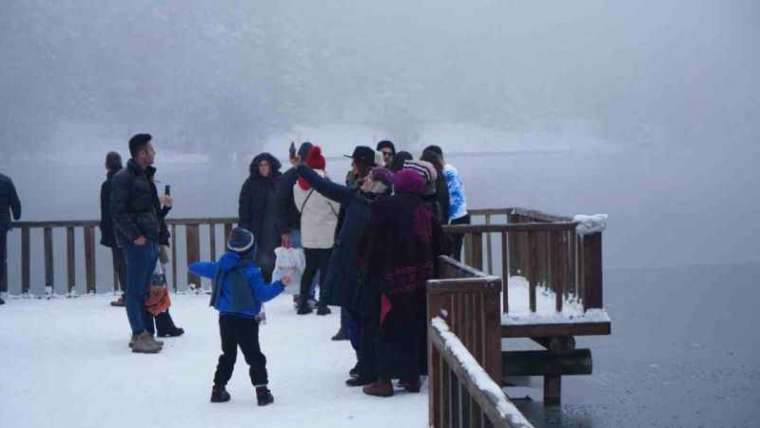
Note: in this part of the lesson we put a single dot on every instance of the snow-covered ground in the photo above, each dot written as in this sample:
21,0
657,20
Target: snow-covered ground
65,363
546,312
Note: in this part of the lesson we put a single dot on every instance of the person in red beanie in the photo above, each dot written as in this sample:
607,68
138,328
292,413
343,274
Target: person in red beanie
319,217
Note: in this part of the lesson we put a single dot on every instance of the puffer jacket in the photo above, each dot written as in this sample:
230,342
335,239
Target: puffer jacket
239,288
133,207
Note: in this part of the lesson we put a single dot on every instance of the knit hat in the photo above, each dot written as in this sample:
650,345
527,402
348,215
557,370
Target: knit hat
315,159
424,168
409,181
382,175
240,240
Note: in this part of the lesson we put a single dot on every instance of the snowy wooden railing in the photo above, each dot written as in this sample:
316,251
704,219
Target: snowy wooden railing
538,249
89,230
465,394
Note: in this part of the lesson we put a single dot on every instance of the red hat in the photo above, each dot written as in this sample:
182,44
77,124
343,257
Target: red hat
315,159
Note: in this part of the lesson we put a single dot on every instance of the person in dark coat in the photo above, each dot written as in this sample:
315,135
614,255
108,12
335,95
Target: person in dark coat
343,268
258,209
9,203
441,189
388,149
136,227
398,252
107,238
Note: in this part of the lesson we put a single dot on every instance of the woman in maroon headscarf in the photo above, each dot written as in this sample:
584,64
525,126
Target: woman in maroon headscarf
398,254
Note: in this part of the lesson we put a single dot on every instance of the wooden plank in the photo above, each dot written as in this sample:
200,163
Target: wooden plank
513,244
25,260
532,268
489,246
505,270
445,395
212,241
49,261
193,251
227,230
497,228
462,285
71,268
552,390
544,363
592,265
89,257
550,330
491,359
174,257
434,385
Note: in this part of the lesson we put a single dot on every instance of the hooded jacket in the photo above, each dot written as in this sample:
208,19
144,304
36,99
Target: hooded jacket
238,285
258,209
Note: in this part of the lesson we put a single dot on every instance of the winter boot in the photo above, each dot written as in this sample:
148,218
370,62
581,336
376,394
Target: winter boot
380,388
264,396
340,335
144,343
323,309
303,309
354,372
2,302
360,381
219,394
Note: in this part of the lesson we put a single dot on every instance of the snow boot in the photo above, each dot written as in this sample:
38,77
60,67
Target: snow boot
323,310
354,372
412,385
380,388
303,309
144,343
219,394
340,335
359,381
264,396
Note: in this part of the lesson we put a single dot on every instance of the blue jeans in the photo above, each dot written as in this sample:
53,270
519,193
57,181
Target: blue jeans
140,262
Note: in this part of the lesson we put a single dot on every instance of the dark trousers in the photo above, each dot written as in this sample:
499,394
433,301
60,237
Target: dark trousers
369,325
140,262
400,349
456,240
244,332
3,260
317,260
163,323
119,267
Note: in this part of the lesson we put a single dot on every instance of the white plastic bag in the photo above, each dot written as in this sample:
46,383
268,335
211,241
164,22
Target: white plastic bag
290,262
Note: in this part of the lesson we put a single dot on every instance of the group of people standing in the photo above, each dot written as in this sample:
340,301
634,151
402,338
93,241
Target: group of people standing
372,241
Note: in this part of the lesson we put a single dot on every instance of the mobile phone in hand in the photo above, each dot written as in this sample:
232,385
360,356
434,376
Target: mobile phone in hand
292,149
167,190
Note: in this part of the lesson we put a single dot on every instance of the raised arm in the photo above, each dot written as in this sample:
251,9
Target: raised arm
204,269
325,187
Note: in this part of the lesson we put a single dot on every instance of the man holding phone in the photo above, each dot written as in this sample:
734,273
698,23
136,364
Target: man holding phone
136,227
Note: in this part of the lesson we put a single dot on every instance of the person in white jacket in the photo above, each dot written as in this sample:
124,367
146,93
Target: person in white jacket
319,217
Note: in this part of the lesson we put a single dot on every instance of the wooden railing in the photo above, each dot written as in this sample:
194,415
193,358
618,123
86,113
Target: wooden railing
89,232
543,248
468,301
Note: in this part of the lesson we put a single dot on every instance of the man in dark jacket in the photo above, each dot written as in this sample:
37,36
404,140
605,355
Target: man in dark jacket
257,209
8,202
136,227
107,238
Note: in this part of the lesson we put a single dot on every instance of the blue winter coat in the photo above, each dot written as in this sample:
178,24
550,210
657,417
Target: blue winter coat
239,288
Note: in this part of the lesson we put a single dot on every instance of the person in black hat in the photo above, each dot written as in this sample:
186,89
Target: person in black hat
238,292
388,150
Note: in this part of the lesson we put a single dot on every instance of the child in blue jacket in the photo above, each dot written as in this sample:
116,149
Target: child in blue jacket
238,292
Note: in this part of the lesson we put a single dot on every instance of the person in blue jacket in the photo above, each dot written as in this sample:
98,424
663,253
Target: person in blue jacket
238,292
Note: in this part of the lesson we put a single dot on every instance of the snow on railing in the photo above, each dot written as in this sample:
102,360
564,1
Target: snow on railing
479,386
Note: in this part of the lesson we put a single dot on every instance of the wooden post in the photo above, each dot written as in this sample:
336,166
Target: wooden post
592,267
558,276
89,257
71,269
227,230
505,270
489,245
49,265
552,390
174,257
193,251
474,250
212,240
532,262
25,260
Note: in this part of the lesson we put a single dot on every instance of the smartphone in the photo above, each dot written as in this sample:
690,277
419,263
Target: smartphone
167,190
292,149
